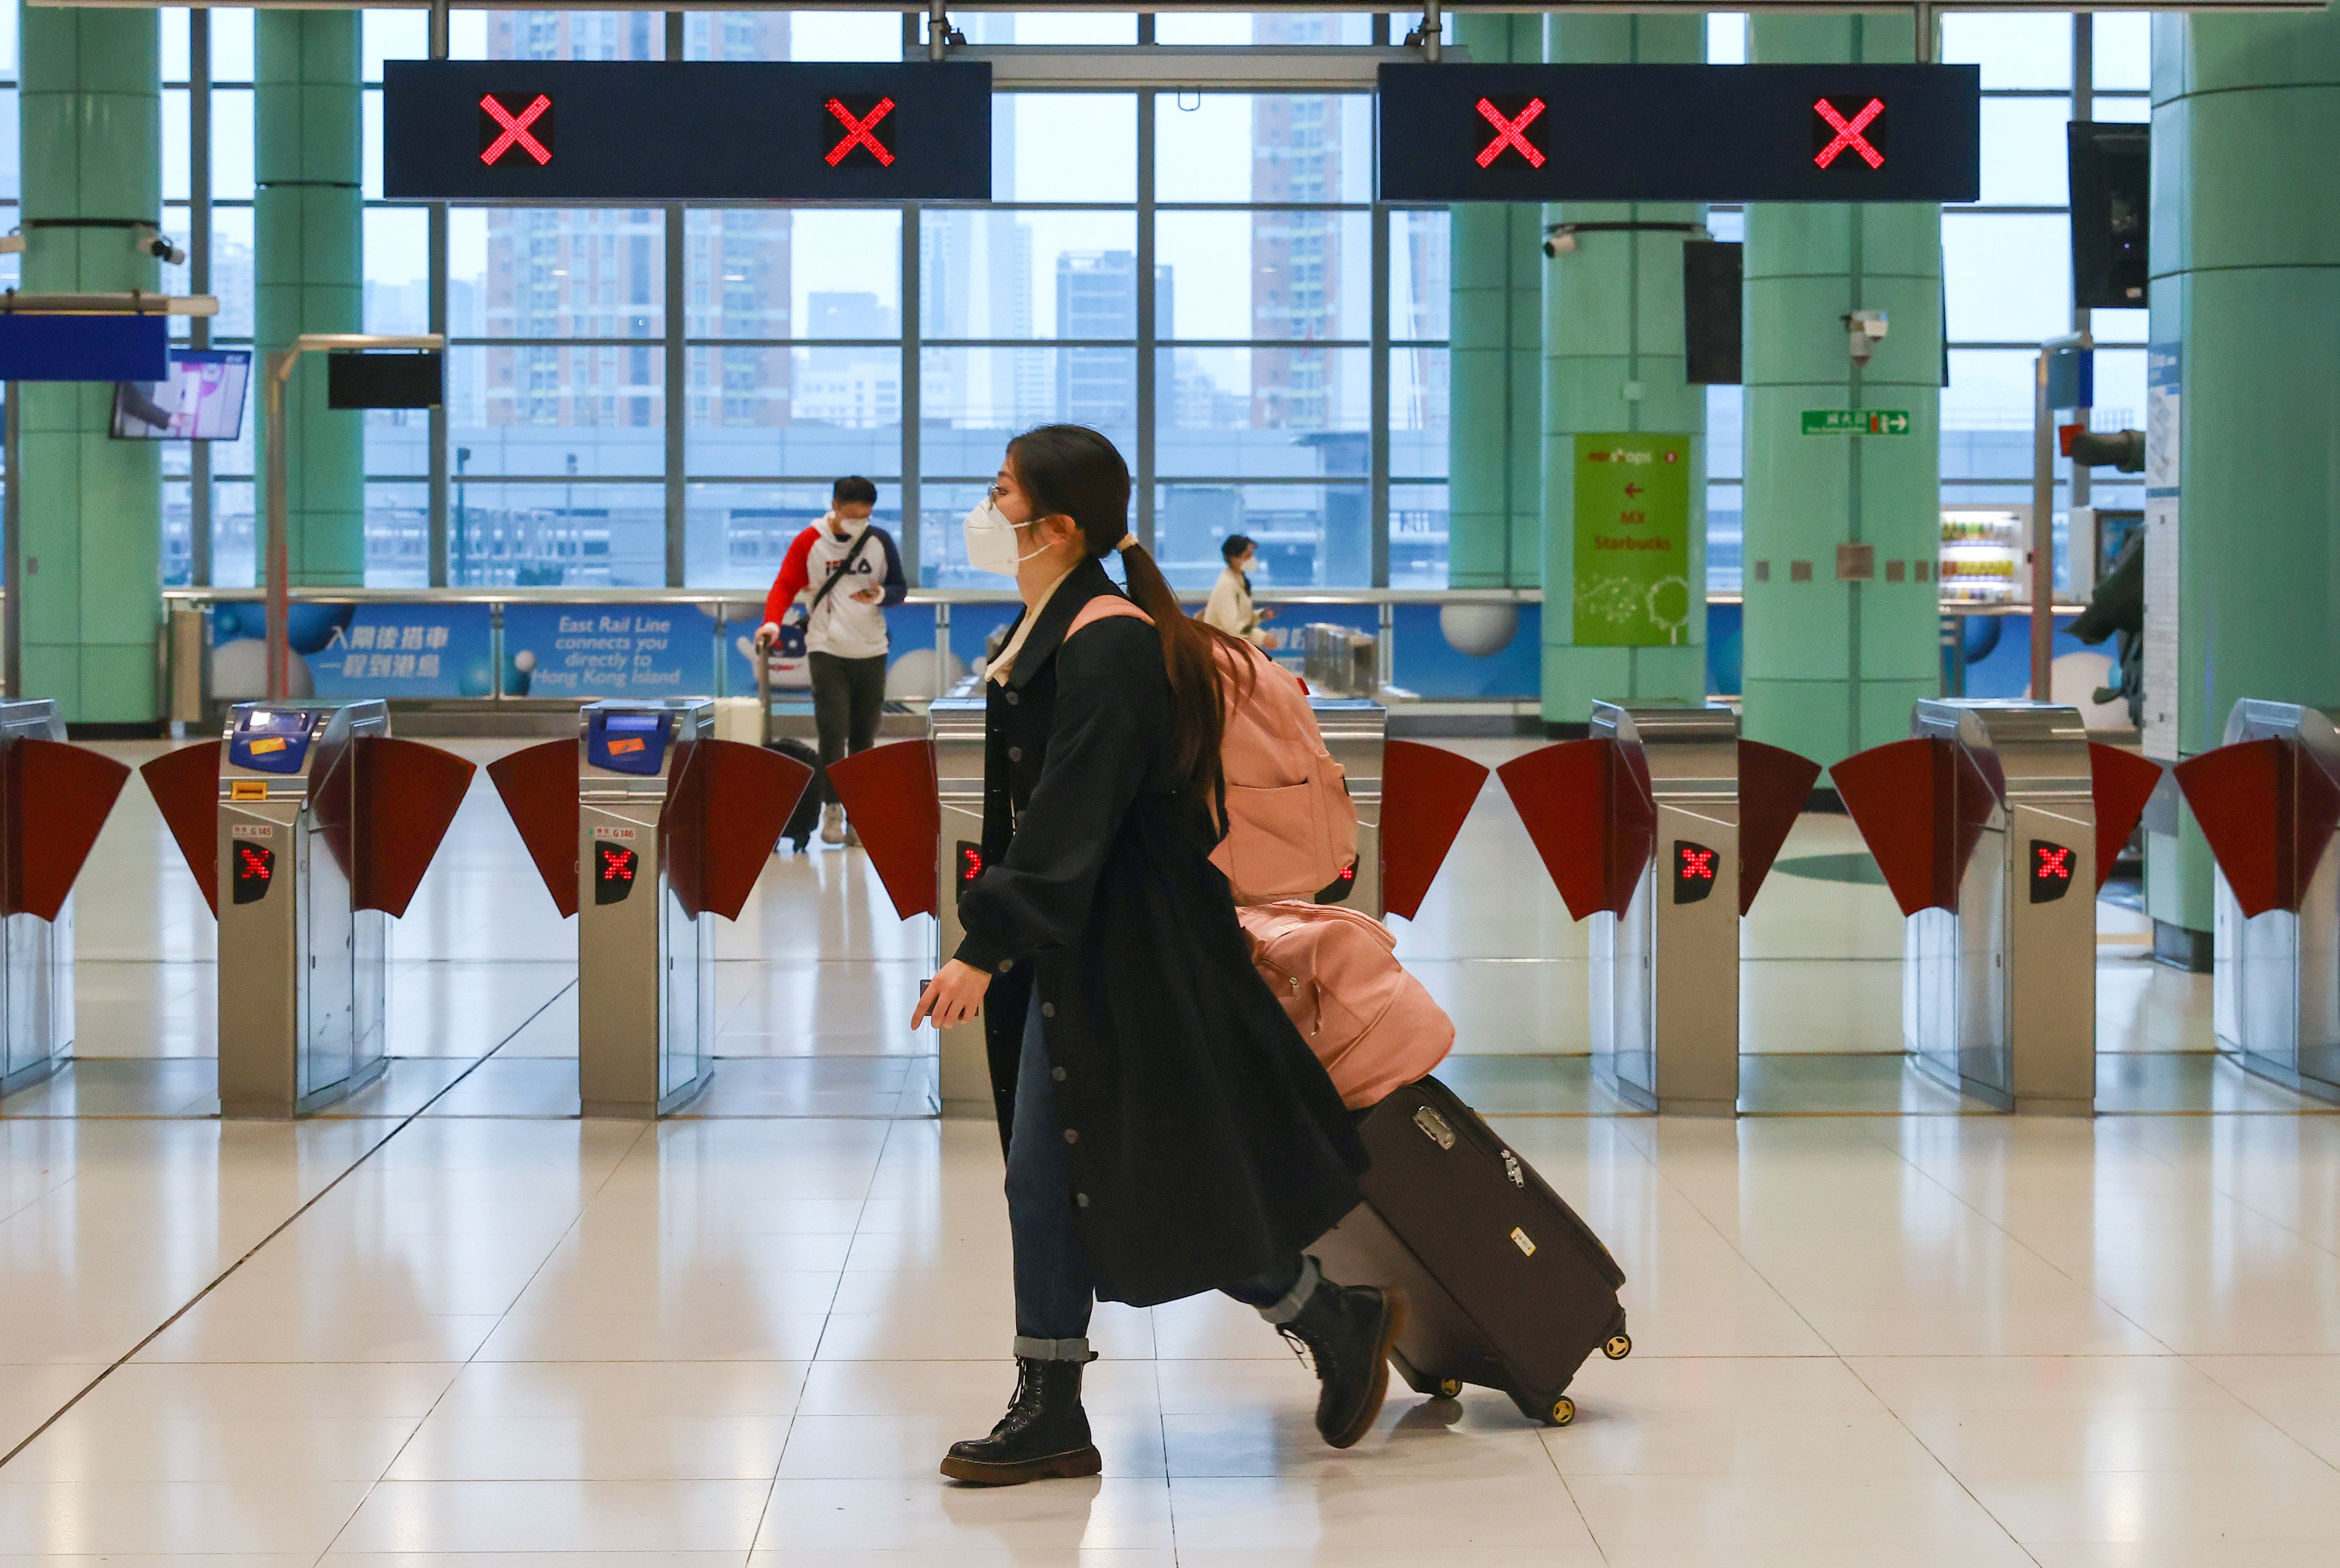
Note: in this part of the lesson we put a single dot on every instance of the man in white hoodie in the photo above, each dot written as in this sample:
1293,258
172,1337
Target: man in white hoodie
851,570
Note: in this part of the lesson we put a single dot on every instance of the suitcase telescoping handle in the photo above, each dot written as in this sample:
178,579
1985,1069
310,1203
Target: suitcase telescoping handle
763,692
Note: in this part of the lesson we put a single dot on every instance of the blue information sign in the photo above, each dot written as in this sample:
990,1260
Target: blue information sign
711,131
84,348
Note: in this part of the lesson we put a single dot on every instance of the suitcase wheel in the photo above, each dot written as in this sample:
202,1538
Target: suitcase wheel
1563,1411
1616,1346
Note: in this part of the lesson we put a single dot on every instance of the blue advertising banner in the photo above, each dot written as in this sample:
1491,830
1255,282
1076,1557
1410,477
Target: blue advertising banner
431,650
594,651
406,650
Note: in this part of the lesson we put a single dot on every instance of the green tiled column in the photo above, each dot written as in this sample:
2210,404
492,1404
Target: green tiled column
1493,453
2247,285
1832,667
91,107
1612,361
307,222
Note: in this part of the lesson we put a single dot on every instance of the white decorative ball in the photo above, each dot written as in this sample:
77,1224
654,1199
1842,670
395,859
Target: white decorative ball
1478,630
911,677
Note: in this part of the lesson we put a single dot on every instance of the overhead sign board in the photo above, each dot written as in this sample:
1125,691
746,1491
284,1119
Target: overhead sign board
1843,133
84,348
714,131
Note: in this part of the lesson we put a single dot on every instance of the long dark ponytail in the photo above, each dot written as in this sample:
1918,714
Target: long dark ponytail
1071,471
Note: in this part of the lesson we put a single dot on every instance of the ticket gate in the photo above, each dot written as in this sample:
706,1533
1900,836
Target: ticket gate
318,827
54,799
2267,801
1660,828
1985,823
918,809
645,828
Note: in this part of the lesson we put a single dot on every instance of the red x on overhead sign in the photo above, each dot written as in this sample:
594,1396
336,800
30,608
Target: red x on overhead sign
1863,135
1511,130
857,121
500,130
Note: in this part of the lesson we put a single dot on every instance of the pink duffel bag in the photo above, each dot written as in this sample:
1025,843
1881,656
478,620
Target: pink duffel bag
1373,1025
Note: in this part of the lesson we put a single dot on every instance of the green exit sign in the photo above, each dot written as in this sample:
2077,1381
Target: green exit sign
1856,422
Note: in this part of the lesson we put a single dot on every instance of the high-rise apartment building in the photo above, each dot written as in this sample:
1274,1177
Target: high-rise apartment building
1095,301
1294,255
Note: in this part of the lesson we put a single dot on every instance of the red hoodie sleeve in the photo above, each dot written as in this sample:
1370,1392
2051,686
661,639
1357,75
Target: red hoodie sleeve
796,576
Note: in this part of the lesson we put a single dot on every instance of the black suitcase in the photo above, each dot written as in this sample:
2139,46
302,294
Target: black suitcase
1505,1287
805,817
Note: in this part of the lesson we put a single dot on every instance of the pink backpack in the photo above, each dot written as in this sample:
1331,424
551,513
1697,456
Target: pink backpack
1373,1025
1292,828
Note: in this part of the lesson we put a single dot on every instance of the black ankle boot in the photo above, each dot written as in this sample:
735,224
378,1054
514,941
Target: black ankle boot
1348,1331
1043,1434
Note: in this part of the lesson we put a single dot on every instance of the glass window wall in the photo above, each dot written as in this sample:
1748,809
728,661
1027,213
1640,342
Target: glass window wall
1283,370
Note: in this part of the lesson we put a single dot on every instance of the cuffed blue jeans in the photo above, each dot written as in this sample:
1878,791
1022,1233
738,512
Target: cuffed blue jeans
1054,1290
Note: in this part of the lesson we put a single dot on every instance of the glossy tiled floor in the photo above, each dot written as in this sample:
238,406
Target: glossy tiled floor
454,1324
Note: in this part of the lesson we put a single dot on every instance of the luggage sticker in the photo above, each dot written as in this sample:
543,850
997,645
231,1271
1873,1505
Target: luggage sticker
1521,1239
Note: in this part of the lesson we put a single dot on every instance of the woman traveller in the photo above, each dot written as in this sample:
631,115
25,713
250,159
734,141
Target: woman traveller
1167,1130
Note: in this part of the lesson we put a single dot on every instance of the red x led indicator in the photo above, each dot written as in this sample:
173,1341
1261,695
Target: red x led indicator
1694,870
2051,871
500,130
256,868
1510,133
861,131
1863,135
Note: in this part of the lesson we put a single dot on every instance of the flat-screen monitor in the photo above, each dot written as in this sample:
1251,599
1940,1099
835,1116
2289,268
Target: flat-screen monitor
202,401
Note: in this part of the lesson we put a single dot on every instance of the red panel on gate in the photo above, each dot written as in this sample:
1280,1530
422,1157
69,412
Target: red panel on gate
539,788
1426,792
2269,809
1566,794
2122,782
1902,797
891,794
186,786
724,812
54,799
408,794
1774,783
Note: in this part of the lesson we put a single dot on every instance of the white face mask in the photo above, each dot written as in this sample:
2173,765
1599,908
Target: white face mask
991,541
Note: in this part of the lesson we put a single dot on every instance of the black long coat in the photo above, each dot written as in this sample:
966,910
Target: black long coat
1208,1146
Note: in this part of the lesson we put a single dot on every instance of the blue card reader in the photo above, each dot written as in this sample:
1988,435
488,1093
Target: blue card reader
273,739
625,742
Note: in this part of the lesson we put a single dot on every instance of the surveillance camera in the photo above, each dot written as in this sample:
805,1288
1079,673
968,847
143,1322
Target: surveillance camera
1864,330
147,240
1560,240
12,243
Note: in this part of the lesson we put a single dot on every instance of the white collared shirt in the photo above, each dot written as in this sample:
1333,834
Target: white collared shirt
1001,666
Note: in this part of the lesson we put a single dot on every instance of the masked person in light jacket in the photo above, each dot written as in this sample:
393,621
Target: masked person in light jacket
853,571
1230,608
1167,1130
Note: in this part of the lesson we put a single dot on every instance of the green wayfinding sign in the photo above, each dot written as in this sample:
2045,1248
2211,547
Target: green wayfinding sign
1856,422
1632,541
